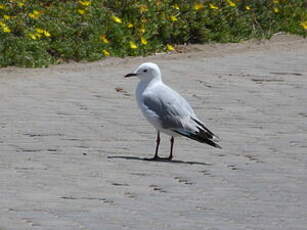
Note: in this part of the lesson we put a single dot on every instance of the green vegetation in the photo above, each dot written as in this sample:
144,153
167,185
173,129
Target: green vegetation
36,33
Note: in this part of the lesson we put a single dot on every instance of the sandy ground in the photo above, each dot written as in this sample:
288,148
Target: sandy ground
72,146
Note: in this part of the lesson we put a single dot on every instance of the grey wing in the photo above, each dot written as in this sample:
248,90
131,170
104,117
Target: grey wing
170,107
174,113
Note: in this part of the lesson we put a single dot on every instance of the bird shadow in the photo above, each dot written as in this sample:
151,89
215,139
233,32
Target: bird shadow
164,160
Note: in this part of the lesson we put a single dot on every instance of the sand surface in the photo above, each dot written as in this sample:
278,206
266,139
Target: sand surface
72,143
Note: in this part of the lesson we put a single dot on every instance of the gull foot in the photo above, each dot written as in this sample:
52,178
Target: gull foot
155,158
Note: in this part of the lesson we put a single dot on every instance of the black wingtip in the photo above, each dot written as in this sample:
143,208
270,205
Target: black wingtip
209,142
218,146
200,137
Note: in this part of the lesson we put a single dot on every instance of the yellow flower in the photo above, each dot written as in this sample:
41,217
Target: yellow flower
80,11
170,47
46,33
231,3
31,15
6,17
35,14
142,30
116,19
304,25
198,6
130,25
247,7
133,45
6,29
106,53
85,3
276,10
275,1
173,18
38,30
2,6
38,35
104,39
144,41
32,36
176,7
143,8
213,6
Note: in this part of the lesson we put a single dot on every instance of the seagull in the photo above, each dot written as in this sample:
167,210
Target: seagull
167,111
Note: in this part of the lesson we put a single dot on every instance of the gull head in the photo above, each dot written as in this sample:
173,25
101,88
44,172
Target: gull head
146,71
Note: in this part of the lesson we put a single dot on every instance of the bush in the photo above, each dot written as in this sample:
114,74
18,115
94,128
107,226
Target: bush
37,33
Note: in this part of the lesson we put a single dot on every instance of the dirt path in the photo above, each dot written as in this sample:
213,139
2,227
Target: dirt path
71,145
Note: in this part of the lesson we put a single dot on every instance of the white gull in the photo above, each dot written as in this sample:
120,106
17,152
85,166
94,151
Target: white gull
166,110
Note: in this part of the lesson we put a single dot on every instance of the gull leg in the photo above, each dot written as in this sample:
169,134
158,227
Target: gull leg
171,152
157,145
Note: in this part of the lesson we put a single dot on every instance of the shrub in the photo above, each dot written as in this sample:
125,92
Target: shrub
37,33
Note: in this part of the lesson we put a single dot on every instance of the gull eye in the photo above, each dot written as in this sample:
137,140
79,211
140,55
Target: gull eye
145,70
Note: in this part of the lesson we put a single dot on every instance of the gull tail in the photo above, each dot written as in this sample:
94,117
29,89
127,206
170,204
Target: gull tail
200,136
202,127
203,134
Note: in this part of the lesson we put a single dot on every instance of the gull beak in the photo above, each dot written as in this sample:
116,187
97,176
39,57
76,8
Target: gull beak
130,75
